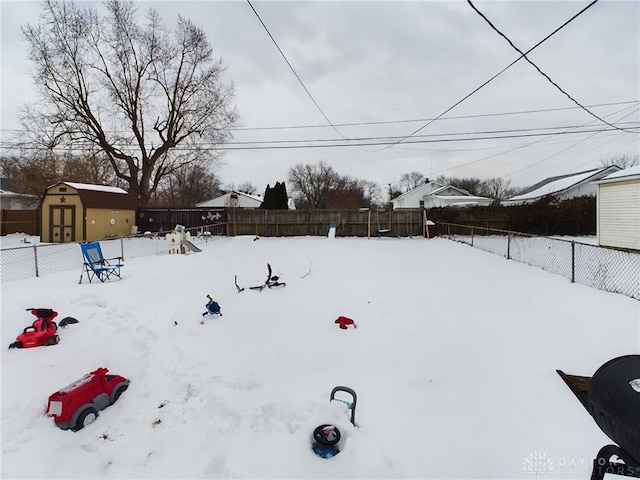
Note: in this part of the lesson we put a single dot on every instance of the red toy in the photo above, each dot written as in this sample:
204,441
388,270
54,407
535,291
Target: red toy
77,405
41,332
344,322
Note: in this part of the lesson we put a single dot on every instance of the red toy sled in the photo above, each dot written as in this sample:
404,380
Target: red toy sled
41,332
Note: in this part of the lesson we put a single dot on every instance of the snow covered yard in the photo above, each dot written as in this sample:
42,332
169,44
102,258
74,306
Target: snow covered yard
453,362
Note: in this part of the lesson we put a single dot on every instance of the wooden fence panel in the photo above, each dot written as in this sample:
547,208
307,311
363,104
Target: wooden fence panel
350,223
19,221
164,219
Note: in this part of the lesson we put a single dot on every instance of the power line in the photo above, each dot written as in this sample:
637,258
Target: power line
394,122
533,143
374,141
495,76
294,71
459,117
523,55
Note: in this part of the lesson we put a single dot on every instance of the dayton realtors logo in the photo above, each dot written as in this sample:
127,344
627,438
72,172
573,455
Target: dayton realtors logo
537,463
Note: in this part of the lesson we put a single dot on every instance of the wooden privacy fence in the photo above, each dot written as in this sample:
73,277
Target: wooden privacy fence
19,221
349,223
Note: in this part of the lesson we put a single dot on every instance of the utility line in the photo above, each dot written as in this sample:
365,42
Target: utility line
352,143
539,70
460,117
389,138
533,143
495,76
392,122
294,71
562,151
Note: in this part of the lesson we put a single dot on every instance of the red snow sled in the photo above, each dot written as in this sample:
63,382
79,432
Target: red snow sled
41,332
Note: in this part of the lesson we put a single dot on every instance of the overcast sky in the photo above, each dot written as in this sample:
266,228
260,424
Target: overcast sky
380,71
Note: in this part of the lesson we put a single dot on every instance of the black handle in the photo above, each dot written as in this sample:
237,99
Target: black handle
351,405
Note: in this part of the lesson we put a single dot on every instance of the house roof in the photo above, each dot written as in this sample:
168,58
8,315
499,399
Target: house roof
462,192
214,201
419,187
559,184
102,196
438,191
626,174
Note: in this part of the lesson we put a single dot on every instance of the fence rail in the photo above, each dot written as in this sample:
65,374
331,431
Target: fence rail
603,268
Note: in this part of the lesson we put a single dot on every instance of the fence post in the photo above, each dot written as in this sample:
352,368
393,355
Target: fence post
573,261
35,257
508,245
472,236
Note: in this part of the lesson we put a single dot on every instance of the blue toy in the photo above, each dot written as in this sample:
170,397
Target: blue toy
213,307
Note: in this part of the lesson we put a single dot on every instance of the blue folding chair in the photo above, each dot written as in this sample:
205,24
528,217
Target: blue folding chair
96,266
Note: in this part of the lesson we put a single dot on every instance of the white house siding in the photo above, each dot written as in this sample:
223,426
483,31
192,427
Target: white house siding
619,214
587,189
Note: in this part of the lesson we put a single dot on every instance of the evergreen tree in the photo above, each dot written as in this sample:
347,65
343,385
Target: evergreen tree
281,199
267,199
275,198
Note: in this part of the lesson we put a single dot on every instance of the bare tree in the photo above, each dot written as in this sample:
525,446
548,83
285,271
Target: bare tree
622,161
94,169
471,185
318,186
149,99
244,187
411,180
497,188
188,186
312,184
37,172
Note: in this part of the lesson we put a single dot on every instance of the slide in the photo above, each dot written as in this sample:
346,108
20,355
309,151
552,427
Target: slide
190,246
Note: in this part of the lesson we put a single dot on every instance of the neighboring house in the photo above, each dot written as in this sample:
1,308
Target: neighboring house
563,187
11,197
435,194
233,199
618,209
74,212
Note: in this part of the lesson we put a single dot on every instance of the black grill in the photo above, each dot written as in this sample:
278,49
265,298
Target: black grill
612,398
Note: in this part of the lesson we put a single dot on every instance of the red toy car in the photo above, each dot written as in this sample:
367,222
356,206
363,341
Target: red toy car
77,405
41,332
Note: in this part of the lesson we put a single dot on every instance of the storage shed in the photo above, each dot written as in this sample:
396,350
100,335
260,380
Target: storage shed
618,209
75,212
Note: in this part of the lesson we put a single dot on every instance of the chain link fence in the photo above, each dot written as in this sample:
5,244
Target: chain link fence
603,268
36,260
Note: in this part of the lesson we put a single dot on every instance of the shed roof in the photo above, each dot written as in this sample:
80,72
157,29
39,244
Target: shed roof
102,196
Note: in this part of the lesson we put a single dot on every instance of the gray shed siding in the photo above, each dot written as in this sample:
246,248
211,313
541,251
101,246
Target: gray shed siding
619,214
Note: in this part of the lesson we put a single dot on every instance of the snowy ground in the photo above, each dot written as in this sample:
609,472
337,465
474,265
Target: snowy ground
453,362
